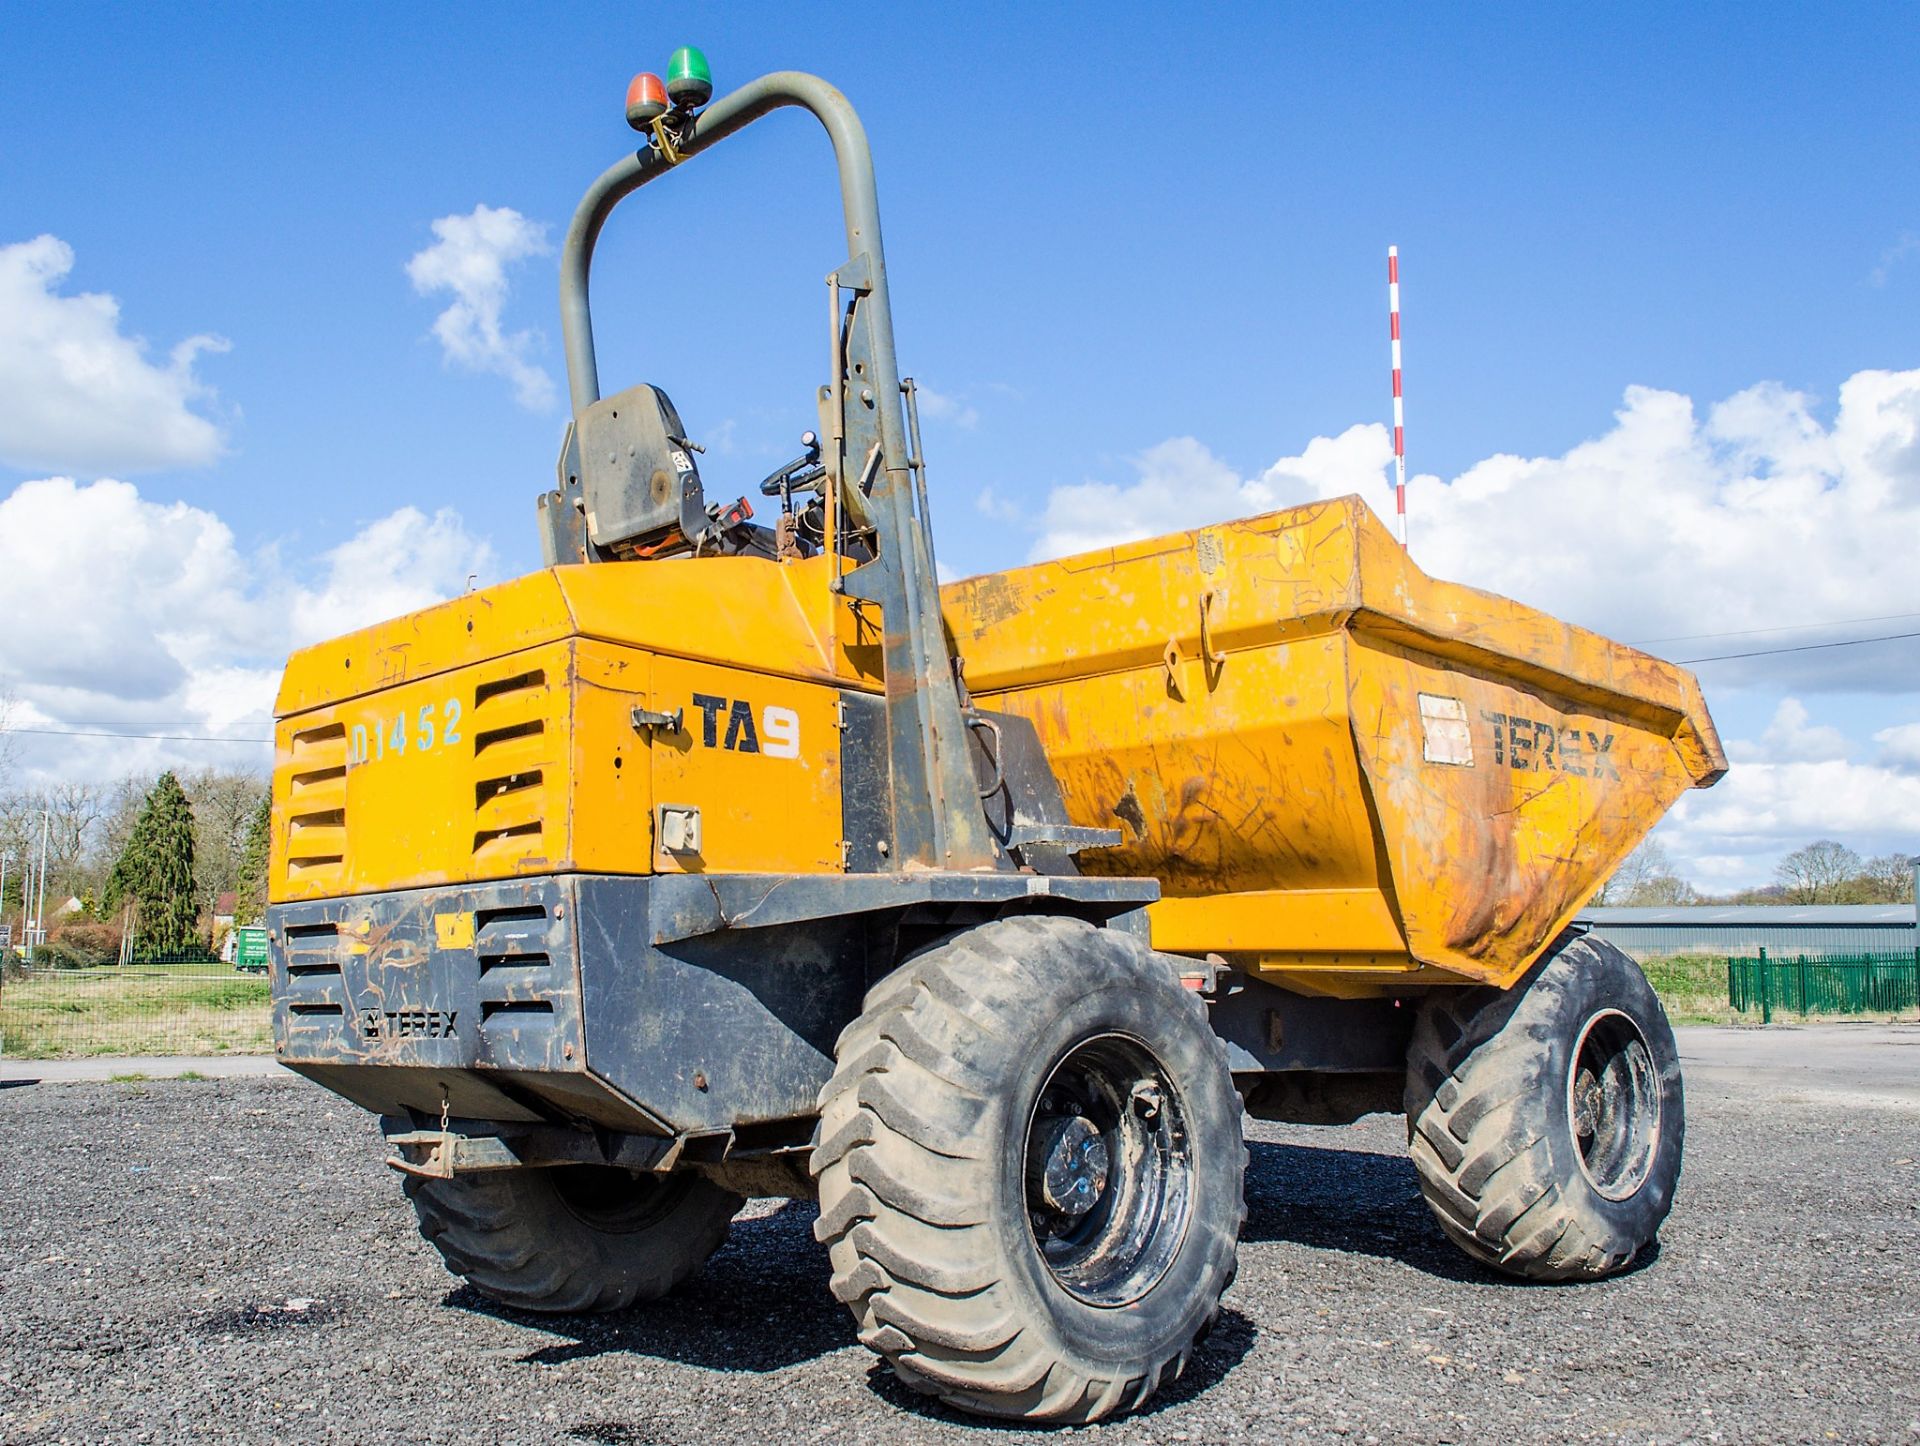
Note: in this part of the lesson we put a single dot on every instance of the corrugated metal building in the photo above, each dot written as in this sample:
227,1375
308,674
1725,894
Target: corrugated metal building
1744,929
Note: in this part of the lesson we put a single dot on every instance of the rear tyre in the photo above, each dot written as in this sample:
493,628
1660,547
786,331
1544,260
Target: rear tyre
1547,1122
1030,1171
575,1237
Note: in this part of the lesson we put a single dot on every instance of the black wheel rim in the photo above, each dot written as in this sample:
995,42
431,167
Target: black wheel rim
613,1200
1108,1171
1613,1104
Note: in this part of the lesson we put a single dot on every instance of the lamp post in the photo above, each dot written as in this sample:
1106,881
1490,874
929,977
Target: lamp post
6,858
40,902
26,897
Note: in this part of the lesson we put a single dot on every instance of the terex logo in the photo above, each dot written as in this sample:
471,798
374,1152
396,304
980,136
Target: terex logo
777,736
1531,745
408,1023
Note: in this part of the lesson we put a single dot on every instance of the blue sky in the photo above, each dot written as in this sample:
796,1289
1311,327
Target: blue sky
1109,230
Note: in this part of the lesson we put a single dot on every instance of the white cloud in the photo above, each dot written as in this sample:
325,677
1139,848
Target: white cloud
945,407
1796,783
1792,737
401,563
1734,832
76,394
1900,747
1908,245
1180,483
1664,525
469,260
171,604
723,437
187,635
988,501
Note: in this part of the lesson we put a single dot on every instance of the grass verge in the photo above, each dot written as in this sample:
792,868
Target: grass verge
1693,988
196,1009
205,1009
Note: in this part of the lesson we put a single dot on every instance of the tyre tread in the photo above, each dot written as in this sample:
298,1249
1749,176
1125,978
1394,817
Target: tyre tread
903,1128
498,1237
1472,1065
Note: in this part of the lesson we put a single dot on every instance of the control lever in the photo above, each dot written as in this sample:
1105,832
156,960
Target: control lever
802,474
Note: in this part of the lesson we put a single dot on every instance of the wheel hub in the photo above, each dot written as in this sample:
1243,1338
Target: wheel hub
1613,1104
1108,1171
1075,1170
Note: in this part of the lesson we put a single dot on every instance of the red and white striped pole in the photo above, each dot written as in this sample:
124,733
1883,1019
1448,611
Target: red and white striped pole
1399,416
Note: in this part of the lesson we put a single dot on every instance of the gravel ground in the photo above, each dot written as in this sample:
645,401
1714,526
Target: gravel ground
228,1259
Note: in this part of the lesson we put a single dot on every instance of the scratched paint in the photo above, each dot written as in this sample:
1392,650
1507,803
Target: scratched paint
1292,781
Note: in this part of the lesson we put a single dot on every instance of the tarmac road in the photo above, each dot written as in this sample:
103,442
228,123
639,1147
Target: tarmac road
1840,1062
228,1259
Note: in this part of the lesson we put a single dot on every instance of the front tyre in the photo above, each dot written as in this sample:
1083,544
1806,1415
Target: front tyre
1030,1171
1547,1122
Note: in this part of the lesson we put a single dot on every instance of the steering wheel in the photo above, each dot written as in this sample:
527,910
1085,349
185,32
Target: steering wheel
802,474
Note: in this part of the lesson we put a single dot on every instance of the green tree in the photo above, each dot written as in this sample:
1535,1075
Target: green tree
155,870
250,905
12,896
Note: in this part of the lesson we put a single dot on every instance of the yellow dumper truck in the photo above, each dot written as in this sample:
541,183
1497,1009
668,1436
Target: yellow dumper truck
719,859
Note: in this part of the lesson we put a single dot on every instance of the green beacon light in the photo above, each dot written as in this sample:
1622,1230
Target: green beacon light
646,100
689,80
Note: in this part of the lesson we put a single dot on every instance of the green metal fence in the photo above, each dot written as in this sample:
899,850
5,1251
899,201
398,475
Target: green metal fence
1825,984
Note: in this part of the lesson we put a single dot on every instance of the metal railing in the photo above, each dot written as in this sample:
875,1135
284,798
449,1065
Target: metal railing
1825,984
187,1007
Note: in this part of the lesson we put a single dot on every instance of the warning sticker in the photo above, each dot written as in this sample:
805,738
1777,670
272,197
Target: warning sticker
1444,723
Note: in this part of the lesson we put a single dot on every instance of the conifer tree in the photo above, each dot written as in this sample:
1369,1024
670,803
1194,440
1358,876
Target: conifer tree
251,904
155,869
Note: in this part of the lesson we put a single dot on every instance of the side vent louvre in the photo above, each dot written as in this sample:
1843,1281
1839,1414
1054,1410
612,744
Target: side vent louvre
511,749
511,938
303,823
306,741
490,841
318,778
312,949
316,803
494,736
314,983
488,788
520,914
508,812
541,1009
515,947
484,693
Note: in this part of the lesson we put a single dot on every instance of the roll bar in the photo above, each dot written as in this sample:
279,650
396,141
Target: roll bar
933,798
714,124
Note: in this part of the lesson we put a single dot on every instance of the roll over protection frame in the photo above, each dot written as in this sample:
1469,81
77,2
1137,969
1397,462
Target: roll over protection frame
936,820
